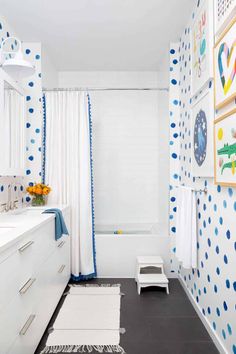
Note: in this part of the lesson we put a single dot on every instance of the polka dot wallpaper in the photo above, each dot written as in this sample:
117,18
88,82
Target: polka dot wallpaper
213,284
33,90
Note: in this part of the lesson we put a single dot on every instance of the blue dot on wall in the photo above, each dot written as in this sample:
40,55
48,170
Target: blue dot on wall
27,125
175,102
216,231
174,82
225,259
225,204
229,329
228,234
234,349
28,199
37,56
37,130
27,51
218,311
174,155
221,220
2,188
28,172
31,110
217,250
234,285
227,283
230,192
28,98
223,334
235,206
31,158
32,141
218,188
31,84
225,306
172,51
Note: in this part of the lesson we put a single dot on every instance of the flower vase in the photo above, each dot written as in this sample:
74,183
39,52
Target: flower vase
38,200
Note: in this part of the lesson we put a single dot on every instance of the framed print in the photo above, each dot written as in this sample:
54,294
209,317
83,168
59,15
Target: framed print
225,149
202,43
202,136
225,67
224,12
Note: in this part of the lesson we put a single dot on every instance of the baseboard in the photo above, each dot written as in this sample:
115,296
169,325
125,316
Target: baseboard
217,341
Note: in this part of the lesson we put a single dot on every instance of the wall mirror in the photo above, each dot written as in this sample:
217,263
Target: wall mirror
12,127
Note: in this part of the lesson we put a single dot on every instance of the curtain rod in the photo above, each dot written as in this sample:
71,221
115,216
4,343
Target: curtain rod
108,89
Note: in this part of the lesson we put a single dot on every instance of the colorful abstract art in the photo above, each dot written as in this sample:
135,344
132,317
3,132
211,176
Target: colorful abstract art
202,127
225,149
202,42
225,67
224,10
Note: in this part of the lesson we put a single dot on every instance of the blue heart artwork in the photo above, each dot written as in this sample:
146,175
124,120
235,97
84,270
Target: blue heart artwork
200,137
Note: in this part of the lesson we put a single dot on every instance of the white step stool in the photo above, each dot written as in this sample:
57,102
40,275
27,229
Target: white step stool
145,280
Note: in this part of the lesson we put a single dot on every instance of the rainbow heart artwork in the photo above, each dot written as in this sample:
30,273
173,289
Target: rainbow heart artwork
224,49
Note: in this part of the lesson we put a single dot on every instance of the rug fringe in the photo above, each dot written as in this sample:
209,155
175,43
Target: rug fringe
83,349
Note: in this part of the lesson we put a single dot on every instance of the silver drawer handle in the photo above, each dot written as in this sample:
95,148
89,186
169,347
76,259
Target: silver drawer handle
25,246
61,268
61,244
27,325
26,286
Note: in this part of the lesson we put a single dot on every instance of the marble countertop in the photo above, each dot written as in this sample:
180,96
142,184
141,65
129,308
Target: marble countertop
15,224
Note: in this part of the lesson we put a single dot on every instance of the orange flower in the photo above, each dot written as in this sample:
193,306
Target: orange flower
38,189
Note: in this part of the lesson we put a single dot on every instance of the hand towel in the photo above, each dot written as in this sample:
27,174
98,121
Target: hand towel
186,227
60,226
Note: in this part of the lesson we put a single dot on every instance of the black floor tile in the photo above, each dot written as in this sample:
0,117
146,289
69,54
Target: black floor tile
156,323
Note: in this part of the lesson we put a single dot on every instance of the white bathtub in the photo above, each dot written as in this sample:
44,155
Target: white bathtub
116,253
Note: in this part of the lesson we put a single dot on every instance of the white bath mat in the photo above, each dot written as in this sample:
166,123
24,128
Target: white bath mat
89,320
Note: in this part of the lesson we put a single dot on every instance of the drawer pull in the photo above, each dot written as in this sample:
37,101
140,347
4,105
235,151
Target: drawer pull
61,244
25,246
27,285
27,325
61,268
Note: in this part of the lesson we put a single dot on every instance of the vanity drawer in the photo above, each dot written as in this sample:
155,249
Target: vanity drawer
15,315
26,261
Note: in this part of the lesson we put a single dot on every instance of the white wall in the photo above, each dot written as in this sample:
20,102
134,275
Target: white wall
49,72
130,142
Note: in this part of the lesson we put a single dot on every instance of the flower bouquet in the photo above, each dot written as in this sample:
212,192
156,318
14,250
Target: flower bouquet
39,191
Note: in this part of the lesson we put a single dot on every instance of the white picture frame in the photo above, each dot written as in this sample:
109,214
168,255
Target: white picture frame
202,42
202,120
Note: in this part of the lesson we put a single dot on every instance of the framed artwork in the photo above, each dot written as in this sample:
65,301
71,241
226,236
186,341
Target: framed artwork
202,38
225,66
225,149
202,136
224,12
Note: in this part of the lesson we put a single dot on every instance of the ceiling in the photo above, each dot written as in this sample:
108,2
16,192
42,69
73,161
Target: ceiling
99,35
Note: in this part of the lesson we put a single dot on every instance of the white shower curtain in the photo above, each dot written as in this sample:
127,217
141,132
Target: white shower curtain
68,170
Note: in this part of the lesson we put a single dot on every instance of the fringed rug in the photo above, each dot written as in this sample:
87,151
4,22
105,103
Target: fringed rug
89,320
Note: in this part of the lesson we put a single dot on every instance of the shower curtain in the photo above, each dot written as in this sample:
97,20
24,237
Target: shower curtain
67,168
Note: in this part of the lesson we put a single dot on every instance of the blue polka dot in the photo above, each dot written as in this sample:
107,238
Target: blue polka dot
225,306
218,188
235,206
229,329
28,98
37,56
225,259
28,199
234,349
32,141
2,188
174,82
31,110
31,84
28,125
234,285
175,102
230,192
227,283
37,130
223,334
28,172
31,158
218,311
174,155
27,51
173,125
228,234
172,51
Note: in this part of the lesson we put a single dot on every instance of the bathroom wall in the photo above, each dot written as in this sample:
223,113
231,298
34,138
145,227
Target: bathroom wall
33,91
212,286
130,145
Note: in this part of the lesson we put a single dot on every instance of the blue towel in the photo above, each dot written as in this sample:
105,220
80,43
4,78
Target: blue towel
60,226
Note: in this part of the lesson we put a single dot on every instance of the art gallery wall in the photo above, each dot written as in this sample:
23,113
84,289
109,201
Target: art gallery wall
212,286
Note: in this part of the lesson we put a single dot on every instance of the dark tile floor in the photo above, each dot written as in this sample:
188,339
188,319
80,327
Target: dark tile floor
156,323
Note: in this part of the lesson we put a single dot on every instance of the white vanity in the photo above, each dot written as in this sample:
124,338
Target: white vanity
34,271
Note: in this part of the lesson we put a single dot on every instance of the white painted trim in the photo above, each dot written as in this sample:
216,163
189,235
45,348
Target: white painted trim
217,341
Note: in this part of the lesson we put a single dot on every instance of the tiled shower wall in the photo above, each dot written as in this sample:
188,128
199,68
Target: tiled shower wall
213,284
33,91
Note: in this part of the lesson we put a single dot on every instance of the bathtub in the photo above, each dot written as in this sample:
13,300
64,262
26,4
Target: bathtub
117,247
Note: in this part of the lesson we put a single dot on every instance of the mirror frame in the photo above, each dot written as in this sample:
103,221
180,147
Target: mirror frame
4,77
